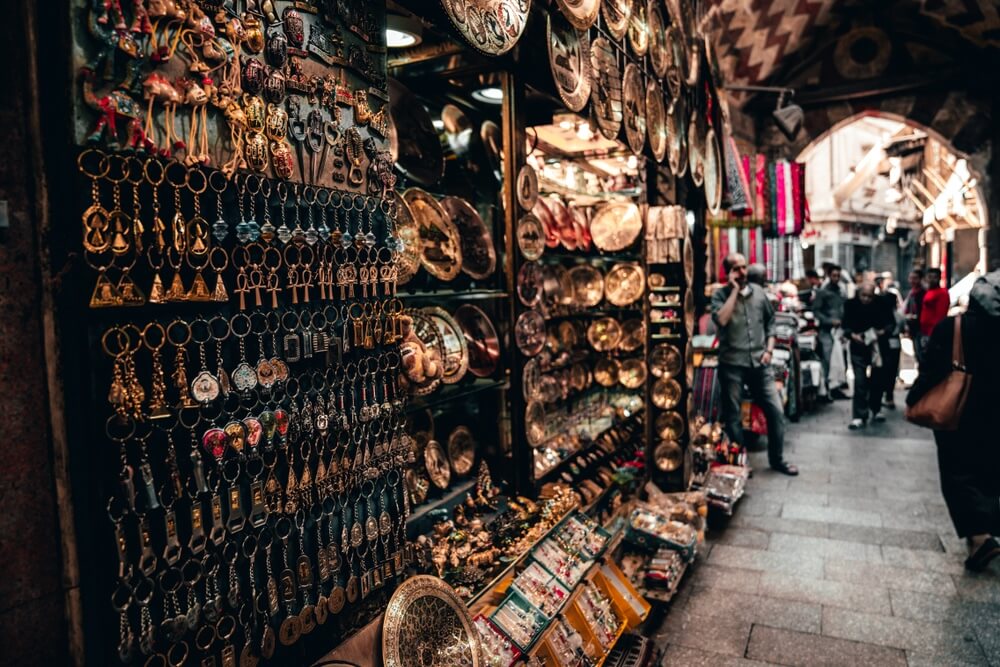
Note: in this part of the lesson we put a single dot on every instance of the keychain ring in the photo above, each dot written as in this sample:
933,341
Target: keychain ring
212,181
267,253
192,571
318,320
143,591
155,660
336,198
122,340
196,170
134,166
320,199
283,528
252,178
170,580
258,316
309,195
178,654
287,318
121,597
215,252
331,319
273,323
169,171
129,329
159,170
185,409
103,163
289,384
243,330
153,326
213,328
205,638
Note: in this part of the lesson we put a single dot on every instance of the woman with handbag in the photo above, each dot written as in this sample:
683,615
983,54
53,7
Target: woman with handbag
955,395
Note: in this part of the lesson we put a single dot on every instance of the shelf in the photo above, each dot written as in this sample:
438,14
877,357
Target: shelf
469,295
591,257
453,393
675,290
591,446
666,337
449,500
607,312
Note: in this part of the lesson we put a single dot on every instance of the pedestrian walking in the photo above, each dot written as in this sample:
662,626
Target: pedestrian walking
828,309
891,343
968,458
867,319
745,321
911,311
936,302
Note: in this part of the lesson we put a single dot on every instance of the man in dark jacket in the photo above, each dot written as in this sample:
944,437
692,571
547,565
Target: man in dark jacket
828,309
866,320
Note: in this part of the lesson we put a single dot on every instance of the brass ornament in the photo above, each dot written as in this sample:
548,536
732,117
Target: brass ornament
580,13
534,423
615,226
569,60
633,373
530,237
408,232
616,16
638,29
527,187
634,104
607,371
624,284
529,333
462,450
440,246
669,425
659,49
606,88
633,335
668,456
436,463
713,172
656,121
665,361
604,334
666,393
455,357
493,27
481,340
587,284
479,257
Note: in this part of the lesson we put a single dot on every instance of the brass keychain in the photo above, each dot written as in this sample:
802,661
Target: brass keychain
95,218
218,261
119,222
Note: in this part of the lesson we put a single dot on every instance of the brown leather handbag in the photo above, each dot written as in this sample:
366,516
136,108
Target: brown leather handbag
941,408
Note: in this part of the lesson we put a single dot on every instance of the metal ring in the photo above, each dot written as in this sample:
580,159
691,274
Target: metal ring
178,653
213,253
126,422
240,317
211,181
283,528
122,340
192,571
155,182
288,317
143,591
309,195
170,580
204,180
319,199
103,163
185,411
169,170
213,326
204,638
208,332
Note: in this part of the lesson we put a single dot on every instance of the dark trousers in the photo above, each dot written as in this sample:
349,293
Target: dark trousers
825,340
890,370
763,392
969,482
867,389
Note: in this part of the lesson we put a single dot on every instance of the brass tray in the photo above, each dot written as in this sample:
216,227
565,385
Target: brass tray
428,333
633,373
696,149
456,353
638,29
530,284
616,16
479,258
580,13
604,334
569,60
689,365
490,26
676,54
624,284
461,450
530,236
607,371
633,335
588,285
666,393
677,128
665,361
420,156
669,425
437,465
534,423
656,120
408,231
606,88
440,245
634,103
659,50
529,333
616,226
481,340
688,254
426,623
689,312
668,456
713,172
527,187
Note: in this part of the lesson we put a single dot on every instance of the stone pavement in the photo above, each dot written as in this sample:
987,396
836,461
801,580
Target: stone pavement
853,562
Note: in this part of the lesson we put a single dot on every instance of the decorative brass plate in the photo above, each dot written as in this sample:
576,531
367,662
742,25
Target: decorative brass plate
462,450
420,156
616,226
696,160
417,485
665,361
436,462
579,377
675,61
713,172
408,231
688,254
689,365
668,456
440,246
638,29
666,393
606,88
624,284
531,379
634,103
527,187
616,16
490,26
569,60
607,371
669,425
689,312
530,237
659,50
426,623
479,258
529,333
633,373
604,334
580,13
428,333
633,335
481,340
588,285
529,284
677,138
656,120
456,354
534,423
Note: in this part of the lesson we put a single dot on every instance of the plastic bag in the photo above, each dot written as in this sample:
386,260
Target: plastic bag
838,369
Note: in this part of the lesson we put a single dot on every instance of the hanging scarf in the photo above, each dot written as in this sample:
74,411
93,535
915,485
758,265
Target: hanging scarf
780,208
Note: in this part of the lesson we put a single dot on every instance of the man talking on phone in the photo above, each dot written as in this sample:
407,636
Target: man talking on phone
745,321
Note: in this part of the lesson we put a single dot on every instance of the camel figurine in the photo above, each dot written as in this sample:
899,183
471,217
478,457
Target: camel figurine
111,106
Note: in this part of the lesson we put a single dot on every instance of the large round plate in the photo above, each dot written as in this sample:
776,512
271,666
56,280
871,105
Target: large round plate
606,88
530,237
607,371
426,623
688,254
417,485
440,245
656,120
624,284
490,26
616,226
529,332
638,29
696,160
669,425
529,284
428,333
408,232
420,156
665,360
674,75
616,16
633,335
534,423
668,456
531,379
713,172
633,373
437,465
604,334
456,353
659,51
527,187
569,60
676,138
479,257
634,103
689,365
666,393
461,450
588,285
689,312
481,340
580,13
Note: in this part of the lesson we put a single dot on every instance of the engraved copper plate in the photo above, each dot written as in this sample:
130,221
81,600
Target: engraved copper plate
666,393
531,379
534,423
530,237
417,485
633,373
656,120
674,76
659,50
677,138
696,160
606,88
569,60
669,425
633,335
428,333
616,16
607,371
408,231
426,623
420,156
440,245
588,285
456,354
490,26
580,13
604,334
529,332
436,463
689,365
634,103
527,187
529,284
668,456
624,284
479,257
481,340
713,172
689,312
688,254
665,360
638,28
616,226
462,450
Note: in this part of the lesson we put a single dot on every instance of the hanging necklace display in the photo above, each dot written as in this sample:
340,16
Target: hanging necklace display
569,61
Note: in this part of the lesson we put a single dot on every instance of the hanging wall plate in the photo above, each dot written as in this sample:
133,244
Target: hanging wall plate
616,16
408,232
624,284
638,29
580,13
604,334
634,104
668,456
531,380
666,393
420,156
633,335
669,425
527,187
440,245
569,60
665,361
616,226
479,258
588,285
659,50
632,374
689,312
696,164
656,120
688,254
481,340
607,371
677,129
461,450
534,423
490,26
530,237
437,465
428,333
689,365
426,623
529,333
606,88
456,354
529,284
674,75
713,173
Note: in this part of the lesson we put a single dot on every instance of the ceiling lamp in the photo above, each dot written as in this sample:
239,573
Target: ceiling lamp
490,95
402,31
788,117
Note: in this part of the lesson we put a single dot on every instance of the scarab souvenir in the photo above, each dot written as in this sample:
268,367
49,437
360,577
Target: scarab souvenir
295,28
254,73
277,49
254,41
255,112
274,86
281,159
277,122
255,151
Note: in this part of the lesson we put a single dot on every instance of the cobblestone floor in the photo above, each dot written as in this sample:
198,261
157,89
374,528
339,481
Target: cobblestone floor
853,562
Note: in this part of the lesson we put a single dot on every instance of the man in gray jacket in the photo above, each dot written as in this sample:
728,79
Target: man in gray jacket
828,309
745,321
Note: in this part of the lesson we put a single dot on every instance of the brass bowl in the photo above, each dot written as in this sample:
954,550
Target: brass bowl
604,334
668,456
588,285
669,425
666,393
665,361
624,284
633,335
607,371
632,374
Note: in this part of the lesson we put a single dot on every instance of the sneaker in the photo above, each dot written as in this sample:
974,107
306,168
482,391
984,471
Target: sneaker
890,405
839,395
878,417
856,424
